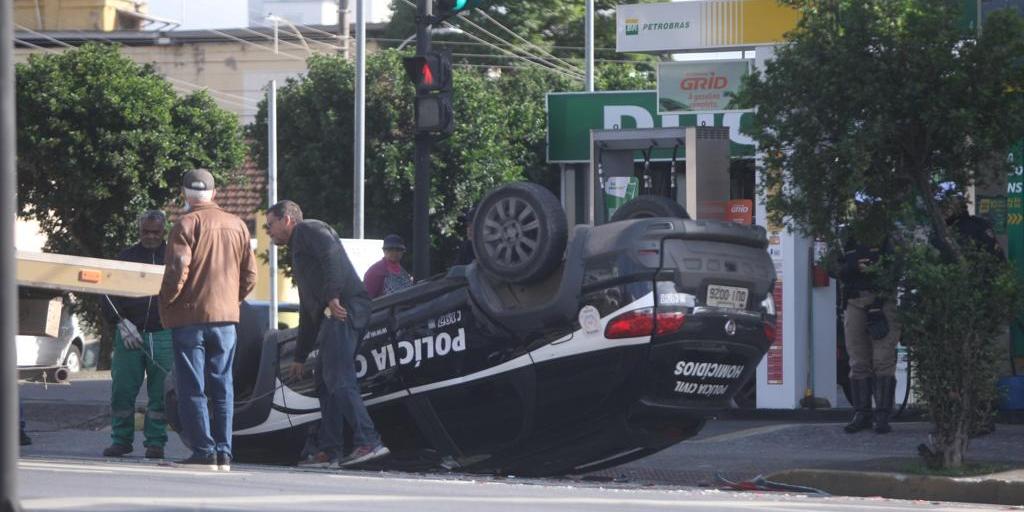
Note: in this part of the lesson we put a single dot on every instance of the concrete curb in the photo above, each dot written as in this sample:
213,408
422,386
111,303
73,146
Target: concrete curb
1005,488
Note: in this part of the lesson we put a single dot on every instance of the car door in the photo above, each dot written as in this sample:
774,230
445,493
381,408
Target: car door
470,385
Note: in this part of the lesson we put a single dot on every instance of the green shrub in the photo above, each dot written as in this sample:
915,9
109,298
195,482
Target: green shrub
952,317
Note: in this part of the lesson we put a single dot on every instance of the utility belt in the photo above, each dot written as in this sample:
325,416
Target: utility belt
877,324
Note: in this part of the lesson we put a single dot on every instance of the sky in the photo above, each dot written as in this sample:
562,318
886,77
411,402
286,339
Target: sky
198,14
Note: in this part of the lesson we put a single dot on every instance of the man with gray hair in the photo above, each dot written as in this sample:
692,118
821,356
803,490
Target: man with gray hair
209,269
142,350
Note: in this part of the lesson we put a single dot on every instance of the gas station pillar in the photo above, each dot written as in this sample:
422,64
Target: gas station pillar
802,361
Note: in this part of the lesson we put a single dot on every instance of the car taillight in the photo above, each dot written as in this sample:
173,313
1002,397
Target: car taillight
769,330
640,322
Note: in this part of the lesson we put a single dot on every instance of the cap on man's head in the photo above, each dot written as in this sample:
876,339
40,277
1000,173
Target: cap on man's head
198,179
394,242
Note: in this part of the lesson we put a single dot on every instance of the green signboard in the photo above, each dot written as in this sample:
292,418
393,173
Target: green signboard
969,11
571,116
1015,227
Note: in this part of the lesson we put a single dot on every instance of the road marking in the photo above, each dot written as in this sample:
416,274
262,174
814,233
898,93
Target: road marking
114,467
297,501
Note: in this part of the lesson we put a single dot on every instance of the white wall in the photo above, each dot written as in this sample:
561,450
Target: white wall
27,236
198,14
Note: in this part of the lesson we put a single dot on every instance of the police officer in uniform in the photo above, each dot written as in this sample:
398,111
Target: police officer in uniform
871,335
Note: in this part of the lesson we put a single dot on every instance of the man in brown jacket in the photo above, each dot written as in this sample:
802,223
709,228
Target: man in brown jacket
209,269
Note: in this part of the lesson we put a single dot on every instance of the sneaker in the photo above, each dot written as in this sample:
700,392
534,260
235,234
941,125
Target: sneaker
25,439
117,450
363,454
320,460
197,461
154,452
224,462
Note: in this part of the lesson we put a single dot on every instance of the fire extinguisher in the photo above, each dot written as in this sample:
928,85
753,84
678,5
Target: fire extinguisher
819,274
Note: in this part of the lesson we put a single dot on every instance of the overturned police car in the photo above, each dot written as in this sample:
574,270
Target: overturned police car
552,353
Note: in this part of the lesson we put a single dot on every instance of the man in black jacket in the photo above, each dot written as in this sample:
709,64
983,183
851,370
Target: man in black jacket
142,349
334,311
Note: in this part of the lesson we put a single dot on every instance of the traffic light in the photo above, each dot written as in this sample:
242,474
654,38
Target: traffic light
434,113
432,76
445,9
430,72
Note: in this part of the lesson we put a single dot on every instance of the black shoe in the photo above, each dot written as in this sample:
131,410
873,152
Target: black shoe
885,395
117,450
223,462
154,452
860,391
200,462
25,439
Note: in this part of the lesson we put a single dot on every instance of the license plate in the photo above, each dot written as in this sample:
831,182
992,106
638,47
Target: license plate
731,297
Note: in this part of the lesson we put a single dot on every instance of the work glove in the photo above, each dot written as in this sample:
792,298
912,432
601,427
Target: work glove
129,334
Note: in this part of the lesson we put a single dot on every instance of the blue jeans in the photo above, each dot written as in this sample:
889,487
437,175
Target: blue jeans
203,357
340,399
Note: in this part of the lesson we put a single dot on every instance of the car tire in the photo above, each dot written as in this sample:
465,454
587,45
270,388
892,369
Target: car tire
647,206
73,361
520,232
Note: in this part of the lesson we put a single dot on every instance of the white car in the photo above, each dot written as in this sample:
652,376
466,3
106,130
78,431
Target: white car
55,358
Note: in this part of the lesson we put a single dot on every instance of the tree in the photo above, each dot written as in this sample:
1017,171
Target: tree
888,99
101,139
315,133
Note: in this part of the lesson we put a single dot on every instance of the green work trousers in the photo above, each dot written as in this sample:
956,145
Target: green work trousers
127,370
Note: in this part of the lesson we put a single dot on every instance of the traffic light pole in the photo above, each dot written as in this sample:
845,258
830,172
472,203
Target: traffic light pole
8,290
424,142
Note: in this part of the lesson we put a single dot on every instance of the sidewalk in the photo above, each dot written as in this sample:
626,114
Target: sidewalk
797,447
820,454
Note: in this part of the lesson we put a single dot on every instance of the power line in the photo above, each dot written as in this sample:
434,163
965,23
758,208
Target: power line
307,27
510,45
496,47
195,86
183,88
51,38
30,45
213,91
521,38
571,68
279,39
491,55
243,41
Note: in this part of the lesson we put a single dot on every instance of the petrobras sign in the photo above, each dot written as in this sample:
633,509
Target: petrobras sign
701,24
571,116
702,86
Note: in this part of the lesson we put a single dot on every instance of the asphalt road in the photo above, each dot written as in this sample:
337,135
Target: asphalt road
62,470
94,485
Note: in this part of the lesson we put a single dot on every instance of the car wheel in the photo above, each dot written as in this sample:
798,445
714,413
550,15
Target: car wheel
646,206
520,232
73,361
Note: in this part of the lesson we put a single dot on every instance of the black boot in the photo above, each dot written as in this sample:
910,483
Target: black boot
885,395
861,391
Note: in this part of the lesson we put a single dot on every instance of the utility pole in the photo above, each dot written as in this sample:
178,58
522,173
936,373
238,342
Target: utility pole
272,192
424,143
343,27
359,144
8,289
588,44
